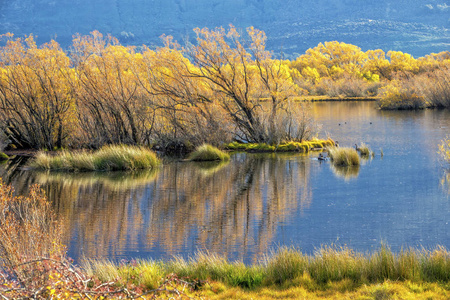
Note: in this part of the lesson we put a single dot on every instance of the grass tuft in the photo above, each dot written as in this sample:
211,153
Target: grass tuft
287,264
207,152
344,156
108,158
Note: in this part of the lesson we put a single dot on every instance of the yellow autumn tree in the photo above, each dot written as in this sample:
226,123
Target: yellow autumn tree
37,107
109,98
241,73
186,112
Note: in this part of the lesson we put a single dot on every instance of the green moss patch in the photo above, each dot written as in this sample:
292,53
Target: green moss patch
291,146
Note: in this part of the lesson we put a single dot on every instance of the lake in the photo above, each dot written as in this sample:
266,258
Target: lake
258,202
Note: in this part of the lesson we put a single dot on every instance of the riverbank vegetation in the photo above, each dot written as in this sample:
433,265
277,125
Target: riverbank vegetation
224,86
33,263
108,158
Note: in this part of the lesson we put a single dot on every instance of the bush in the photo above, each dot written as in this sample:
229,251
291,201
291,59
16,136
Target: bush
401,95
435,87
30,234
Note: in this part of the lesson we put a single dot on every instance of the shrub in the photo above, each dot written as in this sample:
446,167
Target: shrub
400,95
30,234
207,152
435,86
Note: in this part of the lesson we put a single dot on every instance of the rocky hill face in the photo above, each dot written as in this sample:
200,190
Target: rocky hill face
292,26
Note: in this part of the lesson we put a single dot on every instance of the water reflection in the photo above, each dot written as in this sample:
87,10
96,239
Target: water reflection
445,181
112,180
345,172
208,168
244,207
234,210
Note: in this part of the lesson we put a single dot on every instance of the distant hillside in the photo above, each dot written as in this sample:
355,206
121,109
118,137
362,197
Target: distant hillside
417,27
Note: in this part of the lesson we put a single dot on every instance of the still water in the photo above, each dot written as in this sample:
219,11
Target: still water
258,202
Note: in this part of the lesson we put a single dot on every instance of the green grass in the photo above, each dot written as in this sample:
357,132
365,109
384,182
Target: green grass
287,267
207,152
291,146
344,156
108,158
3,156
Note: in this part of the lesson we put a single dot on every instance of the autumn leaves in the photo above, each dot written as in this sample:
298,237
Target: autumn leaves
222,87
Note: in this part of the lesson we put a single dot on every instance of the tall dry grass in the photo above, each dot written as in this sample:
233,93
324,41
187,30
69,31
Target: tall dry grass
108,158
287,266
344,156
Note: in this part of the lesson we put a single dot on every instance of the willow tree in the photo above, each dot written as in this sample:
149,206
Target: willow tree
182,115
110,105
241,74
36,106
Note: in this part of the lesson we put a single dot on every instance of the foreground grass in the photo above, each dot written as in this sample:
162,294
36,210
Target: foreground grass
207,152
331,273
339,290
302,147
108,158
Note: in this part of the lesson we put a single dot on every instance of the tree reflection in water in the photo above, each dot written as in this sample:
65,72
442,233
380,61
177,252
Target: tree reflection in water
232,209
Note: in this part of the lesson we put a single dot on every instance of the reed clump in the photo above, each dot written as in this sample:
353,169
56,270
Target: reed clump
108,158
364,150
328,266
207,152
344,156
